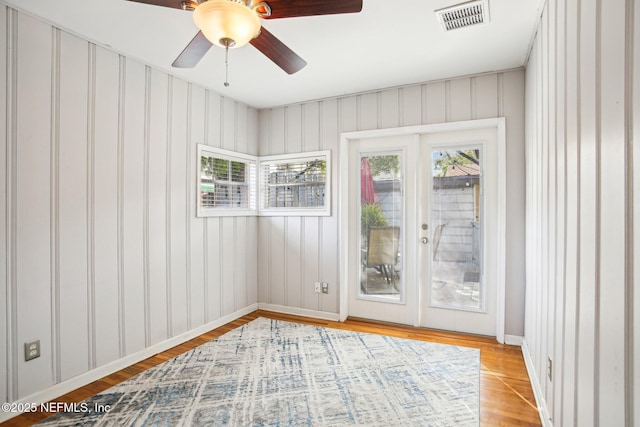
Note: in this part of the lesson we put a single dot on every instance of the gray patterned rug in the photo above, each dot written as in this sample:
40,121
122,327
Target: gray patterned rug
276,373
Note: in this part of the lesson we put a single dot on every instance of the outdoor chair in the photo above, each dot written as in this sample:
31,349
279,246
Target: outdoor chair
383,250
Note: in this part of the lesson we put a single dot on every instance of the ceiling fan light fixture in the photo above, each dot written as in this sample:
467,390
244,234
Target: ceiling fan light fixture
227,23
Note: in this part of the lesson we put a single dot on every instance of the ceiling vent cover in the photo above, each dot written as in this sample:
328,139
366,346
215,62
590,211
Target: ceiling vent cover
463,15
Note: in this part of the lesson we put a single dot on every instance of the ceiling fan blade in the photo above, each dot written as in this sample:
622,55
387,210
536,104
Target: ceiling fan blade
175,4
193,53
293,8
278,52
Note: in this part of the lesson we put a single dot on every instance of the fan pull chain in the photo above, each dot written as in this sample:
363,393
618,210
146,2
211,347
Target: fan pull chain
226,65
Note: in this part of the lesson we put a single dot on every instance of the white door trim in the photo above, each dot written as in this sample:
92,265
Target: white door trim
343,205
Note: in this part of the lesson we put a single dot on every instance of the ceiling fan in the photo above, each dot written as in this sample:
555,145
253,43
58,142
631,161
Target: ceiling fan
234,23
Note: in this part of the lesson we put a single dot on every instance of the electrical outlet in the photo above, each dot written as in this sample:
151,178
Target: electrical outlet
325,288
549,368
31,350
317,288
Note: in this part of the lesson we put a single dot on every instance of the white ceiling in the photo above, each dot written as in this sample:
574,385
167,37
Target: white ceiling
390,43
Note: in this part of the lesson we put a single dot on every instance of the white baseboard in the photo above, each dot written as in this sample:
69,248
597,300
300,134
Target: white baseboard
64,387
535,385
299,311
513,340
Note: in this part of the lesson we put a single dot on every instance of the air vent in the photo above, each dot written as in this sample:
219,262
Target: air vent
463,15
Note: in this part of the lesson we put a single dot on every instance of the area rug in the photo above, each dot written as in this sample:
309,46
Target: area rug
276,373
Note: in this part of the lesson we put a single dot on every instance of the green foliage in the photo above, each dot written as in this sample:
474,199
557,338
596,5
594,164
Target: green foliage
371,216
384,165
446,159
218,169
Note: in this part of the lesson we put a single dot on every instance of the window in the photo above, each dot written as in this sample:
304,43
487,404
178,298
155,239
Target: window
296,184
290,184
226,182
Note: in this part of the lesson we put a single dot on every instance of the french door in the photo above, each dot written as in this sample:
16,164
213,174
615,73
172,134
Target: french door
383,282
423,229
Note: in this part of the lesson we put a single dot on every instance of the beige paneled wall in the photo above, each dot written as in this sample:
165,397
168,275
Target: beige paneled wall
582,140
102,255
284,241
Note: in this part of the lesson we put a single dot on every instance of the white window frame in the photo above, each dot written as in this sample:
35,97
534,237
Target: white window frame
252,186
267,161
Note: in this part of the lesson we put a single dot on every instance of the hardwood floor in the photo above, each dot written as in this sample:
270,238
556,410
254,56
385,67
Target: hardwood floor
506,397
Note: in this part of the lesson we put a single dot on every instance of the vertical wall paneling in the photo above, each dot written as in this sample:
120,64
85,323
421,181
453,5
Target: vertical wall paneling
54,201
277,271
558,43
177,210
329,261
612,287
214,119
102,255
214,268
589,213
72,207
435,103
459,101
310,267
581,108
572,238
277,131
193,135
242,131
213,241
311,125
330,125
411,108
167,267
228,124
389,108
120,203
633,302
159,115
146,202
293,131
485,97
511,87
105,204
293,256
91,202
240,260
6,135
368,113
263,260
542,263
348,114
133,205
229,263
251,266
552,172
31,215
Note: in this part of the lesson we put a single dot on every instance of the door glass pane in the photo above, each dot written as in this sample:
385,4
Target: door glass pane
456,215
381,222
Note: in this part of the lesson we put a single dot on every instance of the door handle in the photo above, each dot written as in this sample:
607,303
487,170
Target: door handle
424,240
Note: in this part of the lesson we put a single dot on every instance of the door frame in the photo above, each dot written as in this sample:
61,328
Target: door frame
343,205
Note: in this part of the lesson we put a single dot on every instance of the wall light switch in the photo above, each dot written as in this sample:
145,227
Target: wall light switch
325,288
